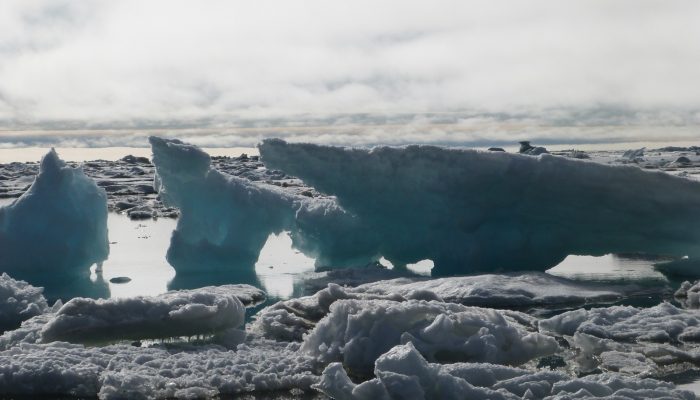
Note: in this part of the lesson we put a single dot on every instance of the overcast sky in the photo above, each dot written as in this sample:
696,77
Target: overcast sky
349,72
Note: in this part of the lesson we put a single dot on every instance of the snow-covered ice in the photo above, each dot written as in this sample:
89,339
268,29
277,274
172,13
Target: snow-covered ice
291,319
58,228
203,311
19,301
128,372
356,332
403,373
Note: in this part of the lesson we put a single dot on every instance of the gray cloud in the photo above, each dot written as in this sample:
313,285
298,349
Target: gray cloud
353,73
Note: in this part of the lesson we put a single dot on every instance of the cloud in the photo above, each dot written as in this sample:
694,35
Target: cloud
365,69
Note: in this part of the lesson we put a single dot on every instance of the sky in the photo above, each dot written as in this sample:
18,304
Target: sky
227,73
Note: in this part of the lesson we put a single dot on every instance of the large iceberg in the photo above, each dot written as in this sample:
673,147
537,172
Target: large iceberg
57,229
469,210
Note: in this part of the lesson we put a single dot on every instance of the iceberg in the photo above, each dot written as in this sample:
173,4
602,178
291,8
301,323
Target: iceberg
56,230
224,220
470,210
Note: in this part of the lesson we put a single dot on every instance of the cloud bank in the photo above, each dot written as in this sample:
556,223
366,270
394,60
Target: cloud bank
348,73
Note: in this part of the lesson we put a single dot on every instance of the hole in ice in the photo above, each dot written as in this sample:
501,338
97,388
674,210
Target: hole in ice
422,267
278,263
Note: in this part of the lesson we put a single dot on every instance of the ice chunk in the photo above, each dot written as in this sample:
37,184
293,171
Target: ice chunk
403,373
208,310
120,371
57,229
19,301
660,335
290,319
469,210
356,332
689,294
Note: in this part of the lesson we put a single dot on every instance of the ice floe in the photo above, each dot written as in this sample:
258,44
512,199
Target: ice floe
291,319
128,372
403,373
356,332
650,339
216,311
19,301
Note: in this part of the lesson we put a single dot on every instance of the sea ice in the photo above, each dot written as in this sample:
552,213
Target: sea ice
656,336
403,373
19,301
291,319
471,211
159,372
57,229
208,310
357,332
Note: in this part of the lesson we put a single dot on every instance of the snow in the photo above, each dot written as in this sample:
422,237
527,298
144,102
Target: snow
356,332
482,211
56,229
403,373
19,301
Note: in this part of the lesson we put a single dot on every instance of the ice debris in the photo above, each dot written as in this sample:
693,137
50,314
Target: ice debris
403,373
56,229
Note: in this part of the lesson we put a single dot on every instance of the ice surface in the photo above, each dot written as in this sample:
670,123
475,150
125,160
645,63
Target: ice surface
19,301
57,229
127,372
208,310
650,337
402,373
290,319
356,332
469,210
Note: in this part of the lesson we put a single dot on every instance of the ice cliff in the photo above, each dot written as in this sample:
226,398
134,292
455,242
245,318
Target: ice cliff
55,230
